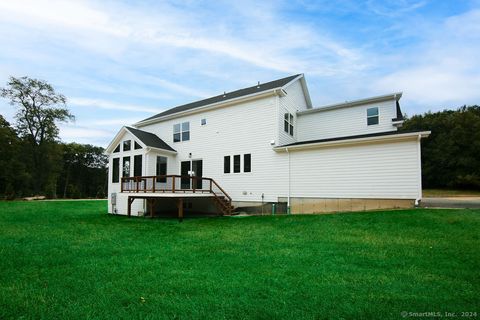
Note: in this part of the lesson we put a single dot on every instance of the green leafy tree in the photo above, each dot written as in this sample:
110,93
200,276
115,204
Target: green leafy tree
451,155
84,171
39,109
13,176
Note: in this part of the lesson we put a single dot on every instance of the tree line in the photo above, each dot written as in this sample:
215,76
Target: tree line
33,160
451,155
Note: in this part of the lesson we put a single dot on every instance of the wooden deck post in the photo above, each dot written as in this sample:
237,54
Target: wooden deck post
180,209
173,184
151,202
130,200
194,183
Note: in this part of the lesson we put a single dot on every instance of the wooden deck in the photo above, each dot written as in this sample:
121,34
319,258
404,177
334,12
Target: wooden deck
152,188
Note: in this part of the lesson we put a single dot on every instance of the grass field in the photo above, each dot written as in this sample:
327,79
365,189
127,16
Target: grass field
70,260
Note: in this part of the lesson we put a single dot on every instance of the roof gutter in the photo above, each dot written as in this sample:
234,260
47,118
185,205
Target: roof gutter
267,93
318,145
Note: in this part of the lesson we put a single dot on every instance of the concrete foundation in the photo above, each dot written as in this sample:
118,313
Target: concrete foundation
319,205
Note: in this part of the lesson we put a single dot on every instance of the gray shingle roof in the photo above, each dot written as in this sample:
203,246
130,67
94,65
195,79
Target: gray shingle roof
150,139
227,96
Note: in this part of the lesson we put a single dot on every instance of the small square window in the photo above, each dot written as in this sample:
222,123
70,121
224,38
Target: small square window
203,122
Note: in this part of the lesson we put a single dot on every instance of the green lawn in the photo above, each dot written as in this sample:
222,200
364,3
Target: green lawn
70,260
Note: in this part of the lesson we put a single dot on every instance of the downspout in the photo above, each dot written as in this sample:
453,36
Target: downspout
288,199
419,160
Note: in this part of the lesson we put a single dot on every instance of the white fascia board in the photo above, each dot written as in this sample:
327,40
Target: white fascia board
303,83
317,145
253,96
148,149
393,96
120,133
136,138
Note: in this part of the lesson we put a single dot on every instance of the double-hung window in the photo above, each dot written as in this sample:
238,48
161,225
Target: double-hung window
288,123
181,132
372,116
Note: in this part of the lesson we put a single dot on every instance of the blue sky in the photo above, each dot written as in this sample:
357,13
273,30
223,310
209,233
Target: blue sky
121,61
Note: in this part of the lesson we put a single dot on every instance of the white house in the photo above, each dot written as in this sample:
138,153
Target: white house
265,145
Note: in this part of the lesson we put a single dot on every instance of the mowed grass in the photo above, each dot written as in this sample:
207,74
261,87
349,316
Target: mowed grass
70,260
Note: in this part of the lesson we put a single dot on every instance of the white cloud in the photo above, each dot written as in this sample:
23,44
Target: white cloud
81,134
444,70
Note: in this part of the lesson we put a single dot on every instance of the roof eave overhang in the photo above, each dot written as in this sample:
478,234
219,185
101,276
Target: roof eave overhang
148,149
259,95
356,141
109,148
394,96
303,83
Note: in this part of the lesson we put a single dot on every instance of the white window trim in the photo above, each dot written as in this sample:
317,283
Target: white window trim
374,116
291,124
181,132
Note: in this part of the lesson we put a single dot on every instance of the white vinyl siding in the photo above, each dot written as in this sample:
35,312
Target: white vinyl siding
245,128
343,122
380,170
291,103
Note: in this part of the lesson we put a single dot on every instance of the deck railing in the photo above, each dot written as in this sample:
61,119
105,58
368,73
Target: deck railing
173,183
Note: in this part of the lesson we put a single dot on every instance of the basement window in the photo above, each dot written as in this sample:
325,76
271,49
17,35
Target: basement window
372,116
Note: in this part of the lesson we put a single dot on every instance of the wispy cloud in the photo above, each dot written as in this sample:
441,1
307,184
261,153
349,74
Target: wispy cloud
444,68
96,103
118,59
